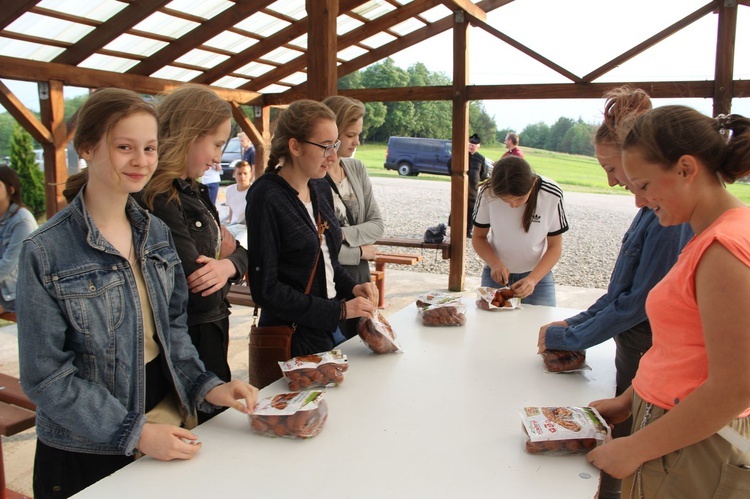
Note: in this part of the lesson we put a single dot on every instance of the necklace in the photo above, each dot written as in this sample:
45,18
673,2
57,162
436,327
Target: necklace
341,176
130,251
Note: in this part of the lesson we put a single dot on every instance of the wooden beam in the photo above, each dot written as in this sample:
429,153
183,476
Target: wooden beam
298,63
650,42
26,70
52,109
727,32
523,48
109,30
657,90
466,6
263,148
245,123
321,34
195,38
460,155
23,116
13,10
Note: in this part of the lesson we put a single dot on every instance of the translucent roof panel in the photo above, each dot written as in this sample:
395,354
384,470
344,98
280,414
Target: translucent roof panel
378,40
202,58
165,25
173,73
290,8
108,63
435,13
282,55
374,9
48,27
407,26
262,24
133,44
273,89
404,2
230,82
254,69
28,50
232,42
300,41
344,24
201,8
350,53
100,10
294,79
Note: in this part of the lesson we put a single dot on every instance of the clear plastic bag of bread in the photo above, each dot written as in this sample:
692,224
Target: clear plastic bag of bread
378,335
325,369
290,415
497,299
441,309
558,431
564,361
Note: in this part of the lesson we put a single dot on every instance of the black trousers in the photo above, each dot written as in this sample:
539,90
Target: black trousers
59,473
211,339
631,345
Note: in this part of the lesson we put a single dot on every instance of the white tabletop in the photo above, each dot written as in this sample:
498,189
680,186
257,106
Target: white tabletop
440,419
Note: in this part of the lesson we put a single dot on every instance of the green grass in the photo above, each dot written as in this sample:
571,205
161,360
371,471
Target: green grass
573,173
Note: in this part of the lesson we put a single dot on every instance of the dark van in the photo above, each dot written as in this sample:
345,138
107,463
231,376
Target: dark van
414,155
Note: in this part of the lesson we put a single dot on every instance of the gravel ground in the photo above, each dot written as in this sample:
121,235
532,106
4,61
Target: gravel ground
597,225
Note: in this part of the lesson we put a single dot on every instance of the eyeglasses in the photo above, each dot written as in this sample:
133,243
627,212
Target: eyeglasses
327,149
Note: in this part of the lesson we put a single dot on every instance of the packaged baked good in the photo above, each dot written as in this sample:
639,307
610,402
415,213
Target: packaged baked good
426,300
444,314
378,335
324,369
497,299
291,415
564,361
563,430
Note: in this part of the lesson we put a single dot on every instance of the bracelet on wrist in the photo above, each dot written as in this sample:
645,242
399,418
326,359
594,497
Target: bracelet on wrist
343,310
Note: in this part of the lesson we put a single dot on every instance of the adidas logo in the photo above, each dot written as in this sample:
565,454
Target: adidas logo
535,219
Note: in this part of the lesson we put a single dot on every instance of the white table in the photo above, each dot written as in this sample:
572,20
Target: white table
439,420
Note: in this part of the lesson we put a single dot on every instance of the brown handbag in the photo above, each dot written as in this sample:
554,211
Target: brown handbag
269,345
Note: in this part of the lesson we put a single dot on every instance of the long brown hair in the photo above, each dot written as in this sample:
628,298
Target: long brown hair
347,110
513,176
670,132
9,177
295,122
185,114
96,119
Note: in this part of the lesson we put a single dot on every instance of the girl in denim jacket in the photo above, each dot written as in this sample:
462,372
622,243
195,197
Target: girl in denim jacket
102,330
16,222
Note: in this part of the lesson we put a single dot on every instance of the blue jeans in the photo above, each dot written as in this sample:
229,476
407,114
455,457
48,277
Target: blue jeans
544,291
213,191
338,337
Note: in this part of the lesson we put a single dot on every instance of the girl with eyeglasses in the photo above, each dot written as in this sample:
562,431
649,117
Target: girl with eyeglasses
287,208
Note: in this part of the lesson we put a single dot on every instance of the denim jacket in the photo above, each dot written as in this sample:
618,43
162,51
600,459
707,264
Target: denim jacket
648,252
15,225
80,330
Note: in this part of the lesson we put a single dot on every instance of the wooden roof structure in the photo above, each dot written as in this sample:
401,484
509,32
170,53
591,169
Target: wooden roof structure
268,53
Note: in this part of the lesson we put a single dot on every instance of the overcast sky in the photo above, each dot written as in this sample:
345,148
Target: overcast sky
600,33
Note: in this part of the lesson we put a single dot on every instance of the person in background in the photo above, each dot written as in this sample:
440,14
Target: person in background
16,222
693,386
194,124
293,226
235,195
477,172
527,216
102,338
248,150
511,144
353,200
647,253
212,180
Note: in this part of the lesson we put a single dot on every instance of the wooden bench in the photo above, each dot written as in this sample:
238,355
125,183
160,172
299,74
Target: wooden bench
8,316
406,242
381,259
17,413
240,295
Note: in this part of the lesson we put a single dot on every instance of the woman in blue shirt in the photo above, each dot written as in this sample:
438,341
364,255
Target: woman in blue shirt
16,222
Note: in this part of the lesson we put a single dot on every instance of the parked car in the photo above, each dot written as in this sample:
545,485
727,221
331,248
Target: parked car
231,155
415,155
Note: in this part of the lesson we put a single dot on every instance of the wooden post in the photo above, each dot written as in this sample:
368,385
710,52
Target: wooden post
322,73
52,108
460,155
723,84
263,147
